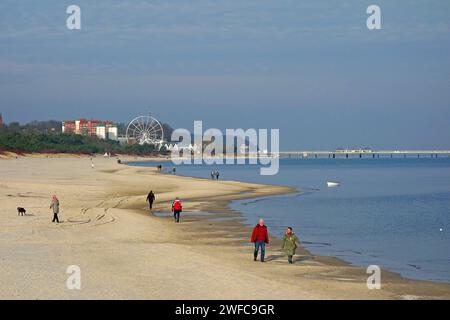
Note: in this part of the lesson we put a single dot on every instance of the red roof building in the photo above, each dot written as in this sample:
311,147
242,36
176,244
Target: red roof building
86,127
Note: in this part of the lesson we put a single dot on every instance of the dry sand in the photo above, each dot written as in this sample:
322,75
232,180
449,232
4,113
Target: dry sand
125,252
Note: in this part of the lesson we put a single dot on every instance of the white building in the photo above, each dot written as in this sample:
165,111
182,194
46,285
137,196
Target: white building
77,127
101,131
112,132
108,131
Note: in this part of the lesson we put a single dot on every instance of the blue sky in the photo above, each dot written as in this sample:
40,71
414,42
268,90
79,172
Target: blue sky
310,68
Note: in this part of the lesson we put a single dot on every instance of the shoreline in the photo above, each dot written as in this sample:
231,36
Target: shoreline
223,207
109,232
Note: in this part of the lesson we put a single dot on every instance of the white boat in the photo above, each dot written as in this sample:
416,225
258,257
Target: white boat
332,184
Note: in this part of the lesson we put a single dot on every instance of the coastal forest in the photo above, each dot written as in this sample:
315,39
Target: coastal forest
46,137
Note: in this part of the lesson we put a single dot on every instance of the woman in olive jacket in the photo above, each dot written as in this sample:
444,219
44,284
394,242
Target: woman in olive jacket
289,243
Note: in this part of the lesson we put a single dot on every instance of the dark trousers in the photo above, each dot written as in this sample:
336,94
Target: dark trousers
259,244
55,217
290,259
150,204
176,215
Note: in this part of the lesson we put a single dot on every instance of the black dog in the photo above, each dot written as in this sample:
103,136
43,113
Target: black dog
21,211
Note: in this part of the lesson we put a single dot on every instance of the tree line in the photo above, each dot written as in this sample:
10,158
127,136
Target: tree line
69,143
46,137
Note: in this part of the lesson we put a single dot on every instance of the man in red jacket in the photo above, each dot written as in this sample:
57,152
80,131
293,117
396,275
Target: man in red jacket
176,209
260,237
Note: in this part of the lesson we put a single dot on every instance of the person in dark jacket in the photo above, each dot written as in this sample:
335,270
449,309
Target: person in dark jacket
150,199
260,237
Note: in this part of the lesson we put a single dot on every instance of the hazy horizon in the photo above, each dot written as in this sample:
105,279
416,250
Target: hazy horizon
311,69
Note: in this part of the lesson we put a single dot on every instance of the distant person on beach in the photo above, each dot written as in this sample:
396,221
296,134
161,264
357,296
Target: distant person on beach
55,206
176,209
150,199
260,237
174,170
289,243
215,175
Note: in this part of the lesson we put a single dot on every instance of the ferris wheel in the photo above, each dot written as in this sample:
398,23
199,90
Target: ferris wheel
145,130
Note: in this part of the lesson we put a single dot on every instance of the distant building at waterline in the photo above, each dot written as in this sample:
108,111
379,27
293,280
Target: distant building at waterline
99,128
1,120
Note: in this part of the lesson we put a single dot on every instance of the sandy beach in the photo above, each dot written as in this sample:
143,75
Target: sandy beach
125,252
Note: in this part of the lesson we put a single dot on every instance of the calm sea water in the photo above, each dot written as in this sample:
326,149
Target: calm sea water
387,212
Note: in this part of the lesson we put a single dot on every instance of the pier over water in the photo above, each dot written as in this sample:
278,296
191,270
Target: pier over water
366,153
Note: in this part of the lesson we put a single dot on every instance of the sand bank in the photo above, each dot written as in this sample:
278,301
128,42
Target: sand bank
125,252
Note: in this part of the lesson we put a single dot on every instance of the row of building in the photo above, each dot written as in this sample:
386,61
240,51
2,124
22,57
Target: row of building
90,127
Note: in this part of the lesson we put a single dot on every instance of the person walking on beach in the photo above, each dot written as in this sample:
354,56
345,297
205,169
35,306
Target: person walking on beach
217,174
212,174
176,209
150,199
260,237
55,206
289,243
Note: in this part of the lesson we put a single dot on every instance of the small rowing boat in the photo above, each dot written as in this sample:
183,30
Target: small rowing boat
332,184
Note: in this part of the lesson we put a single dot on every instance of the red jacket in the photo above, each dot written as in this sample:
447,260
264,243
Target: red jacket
176,206
260,234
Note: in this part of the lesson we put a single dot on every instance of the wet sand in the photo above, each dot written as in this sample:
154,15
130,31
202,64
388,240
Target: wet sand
125,252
